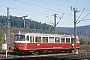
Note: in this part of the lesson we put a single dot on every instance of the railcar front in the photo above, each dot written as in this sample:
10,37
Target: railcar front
22,43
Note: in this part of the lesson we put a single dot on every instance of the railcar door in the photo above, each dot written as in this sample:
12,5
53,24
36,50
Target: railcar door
72,41
32,45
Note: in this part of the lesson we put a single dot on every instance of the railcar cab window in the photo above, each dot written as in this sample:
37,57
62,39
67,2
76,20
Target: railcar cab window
19,38
57,39
37,39
45,39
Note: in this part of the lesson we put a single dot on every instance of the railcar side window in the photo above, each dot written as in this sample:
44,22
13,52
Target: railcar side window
72,40
27,38
68,40
19,38
45,39
62,40
57,39
37,39
31,39
51,39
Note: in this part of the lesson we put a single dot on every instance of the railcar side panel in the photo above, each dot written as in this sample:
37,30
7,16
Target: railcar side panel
24,46
41,46
55,46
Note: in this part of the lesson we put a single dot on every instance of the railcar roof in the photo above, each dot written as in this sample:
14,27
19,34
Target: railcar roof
43,34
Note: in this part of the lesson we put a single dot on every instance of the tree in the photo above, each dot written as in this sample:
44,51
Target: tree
1,37
81,41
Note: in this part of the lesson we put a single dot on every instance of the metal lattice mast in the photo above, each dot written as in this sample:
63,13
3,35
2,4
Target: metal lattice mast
24,17
75,11
55,15
8,29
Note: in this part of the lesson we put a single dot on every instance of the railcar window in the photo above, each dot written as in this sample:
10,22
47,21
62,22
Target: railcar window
51,39
27,38
45,39
72,40
31,39
37,39
57,39
63,40
19,38
68,40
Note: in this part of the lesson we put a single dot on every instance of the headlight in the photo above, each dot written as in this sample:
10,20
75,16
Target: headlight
20,44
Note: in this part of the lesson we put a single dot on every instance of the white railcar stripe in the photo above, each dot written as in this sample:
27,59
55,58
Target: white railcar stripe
21,41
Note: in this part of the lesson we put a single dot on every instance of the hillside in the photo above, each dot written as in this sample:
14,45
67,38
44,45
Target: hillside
30,25
79,30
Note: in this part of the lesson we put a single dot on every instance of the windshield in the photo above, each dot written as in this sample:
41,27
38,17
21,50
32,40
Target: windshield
19,38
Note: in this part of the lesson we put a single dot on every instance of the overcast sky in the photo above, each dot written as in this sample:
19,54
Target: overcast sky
37,10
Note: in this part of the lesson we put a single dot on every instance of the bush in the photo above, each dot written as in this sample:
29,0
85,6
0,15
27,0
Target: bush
81,42
1,37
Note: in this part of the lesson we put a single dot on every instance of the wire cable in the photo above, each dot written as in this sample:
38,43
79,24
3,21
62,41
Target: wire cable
53,3
80,14
40,7
83,19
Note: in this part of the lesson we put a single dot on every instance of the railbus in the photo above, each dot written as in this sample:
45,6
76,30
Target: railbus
40,42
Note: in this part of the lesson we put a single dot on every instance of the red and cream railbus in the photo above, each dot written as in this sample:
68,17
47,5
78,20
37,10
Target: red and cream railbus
32,42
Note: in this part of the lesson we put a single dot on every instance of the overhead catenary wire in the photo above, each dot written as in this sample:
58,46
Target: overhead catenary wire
28,10
78,5
60,18
38,12
87,10
50,20
25,10
3,6
80,14
33,12
64,4
14,8
41,7
73,3
83,18
86,16
53,3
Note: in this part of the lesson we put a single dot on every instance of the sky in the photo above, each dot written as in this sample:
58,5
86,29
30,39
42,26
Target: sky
43,11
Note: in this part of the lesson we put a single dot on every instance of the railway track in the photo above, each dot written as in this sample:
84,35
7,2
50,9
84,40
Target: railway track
13,55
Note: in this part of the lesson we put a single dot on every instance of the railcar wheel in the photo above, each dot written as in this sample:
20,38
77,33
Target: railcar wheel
35,53
69,51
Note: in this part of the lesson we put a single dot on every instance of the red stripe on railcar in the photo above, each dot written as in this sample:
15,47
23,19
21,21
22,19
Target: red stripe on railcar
40,46
54,46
